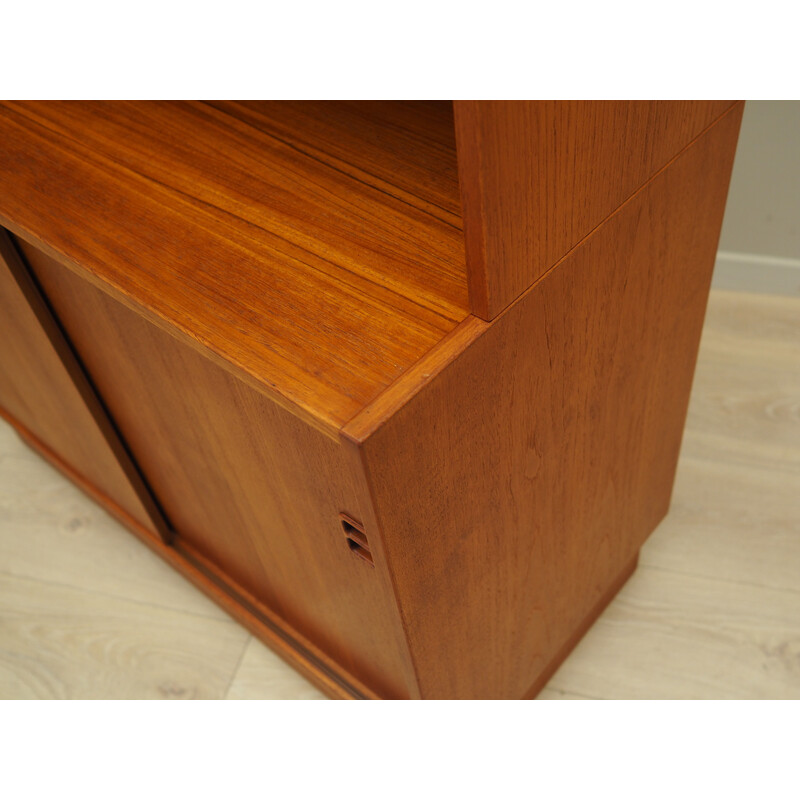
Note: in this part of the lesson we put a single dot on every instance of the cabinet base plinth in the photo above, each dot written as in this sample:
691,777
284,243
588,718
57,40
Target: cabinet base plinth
579,632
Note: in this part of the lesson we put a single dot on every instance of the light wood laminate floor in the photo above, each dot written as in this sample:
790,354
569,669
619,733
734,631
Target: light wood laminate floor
713,610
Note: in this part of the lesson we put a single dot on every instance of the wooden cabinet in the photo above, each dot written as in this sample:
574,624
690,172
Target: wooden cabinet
415,449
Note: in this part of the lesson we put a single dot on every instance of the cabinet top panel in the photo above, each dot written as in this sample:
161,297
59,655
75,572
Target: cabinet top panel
315,246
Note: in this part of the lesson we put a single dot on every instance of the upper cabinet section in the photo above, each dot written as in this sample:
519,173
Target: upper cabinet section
314,248
538,176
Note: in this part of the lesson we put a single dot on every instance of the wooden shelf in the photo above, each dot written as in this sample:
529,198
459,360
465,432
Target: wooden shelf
338,222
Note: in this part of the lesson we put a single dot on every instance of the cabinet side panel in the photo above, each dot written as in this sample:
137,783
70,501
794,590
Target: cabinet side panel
538,176
247,485
516,486
43,390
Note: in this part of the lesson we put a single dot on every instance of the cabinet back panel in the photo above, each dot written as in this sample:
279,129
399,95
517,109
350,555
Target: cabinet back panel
247,484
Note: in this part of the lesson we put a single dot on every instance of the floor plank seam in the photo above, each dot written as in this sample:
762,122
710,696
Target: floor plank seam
554,688
646,564
239,662
123,598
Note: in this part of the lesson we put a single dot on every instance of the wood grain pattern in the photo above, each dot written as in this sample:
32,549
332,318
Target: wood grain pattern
289,256
536,177
515,486
406,149
252,489
89,649
43,387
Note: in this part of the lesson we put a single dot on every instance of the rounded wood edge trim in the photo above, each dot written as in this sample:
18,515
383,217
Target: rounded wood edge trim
326,424
397,394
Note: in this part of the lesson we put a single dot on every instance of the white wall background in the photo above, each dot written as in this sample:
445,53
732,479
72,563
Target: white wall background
759,248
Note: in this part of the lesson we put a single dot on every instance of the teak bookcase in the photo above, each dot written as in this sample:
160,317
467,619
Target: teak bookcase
400,385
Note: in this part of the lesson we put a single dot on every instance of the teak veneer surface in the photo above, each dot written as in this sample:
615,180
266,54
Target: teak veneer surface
501,475
43,388
548,447
317,247
250,487
538,176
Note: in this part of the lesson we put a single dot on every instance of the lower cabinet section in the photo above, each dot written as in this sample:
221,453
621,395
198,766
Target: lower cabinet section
248,487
